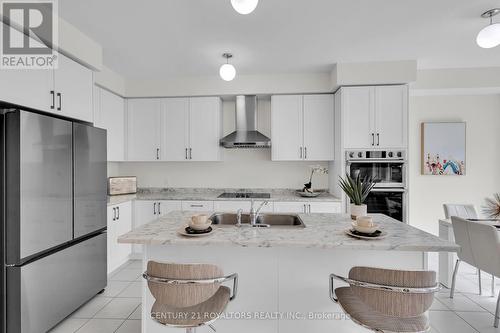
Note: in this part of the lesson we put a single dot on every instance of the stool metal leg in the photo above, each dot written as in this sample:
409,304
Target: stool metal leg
496,312
480,284
492,285
454,278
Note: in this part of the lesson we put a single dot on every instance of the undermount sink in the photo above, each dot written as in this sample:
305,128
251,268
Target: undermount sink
274,220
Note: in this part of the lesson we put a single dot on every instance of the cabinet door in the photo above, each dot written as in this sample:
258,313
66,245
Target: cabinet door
175,129
166,206
143,129
290,207
358,111
325,207
110,115
27,87
111,235
318,128
122,225
391,116
204,128
286,128
145,211
74,86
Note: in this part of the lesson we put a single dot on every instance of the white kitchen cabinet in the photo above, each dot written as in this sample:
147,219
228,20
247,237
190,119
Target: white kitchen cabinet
307,207
302,127
198,206
286,128
205,128
166,206
319,128
374,116
119,223
175,130
66,91
391,117
73,87
143,129
233,206
109,113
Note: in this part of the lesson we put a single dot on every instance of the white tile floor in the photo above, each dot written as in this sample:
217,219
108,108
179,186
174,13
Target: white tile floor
118,309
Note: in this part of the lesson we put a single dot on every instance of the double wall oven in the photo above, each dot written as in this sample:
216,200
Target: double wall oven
388,169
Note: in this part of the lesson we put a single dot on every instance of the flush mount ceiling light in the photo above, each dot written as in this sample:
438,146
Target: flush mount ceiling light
244,7
489,36
227,71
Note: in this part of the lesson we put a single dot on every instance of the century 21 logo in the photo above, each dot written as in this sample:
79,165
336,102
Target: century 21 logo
34,17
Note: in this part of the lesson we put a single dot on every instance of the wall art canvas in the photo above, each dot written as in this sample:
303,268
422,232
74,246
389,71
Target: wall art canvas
443,148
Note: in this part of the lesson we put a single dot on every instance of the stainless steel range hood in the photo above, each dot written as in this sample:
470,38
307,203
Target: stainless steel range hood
246,134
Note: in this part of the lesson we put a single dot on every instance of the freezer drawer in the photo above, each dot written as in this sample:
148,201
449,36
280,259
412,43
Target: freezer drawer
39,184
90,173
43,292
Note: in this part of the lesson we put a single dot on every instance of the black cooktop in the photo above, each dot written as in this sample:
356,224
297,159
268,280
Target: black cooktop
245,195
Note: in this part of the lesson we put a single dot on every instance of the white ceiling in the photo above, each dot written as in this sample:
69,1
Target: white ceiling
158,39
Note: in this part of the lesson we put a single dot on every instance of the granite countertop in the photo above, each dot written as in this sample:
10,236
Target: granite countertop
324,231
206,194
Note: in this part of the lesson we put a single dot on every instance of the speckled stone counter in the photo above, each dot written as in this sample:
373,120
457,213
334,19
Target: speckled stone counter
207,194
324,231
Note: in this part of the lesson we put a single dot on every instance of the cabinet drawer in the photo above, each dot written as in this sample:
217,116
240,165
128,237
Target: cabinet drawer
324,207
233,206
290,207
197,205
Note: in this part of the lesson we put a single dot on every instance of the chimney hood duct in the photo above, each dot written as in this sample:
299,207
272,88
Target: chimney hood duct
246,134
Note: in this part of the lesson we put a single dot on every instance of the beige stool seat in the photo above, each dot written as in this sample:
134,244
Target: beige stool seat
195,315
363,315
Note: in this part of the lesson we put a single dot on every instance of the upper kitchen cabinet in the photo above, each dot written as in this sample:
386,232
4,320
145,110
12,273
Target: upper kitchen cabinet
302,127
109,113
73,88
174,129
143,123
374,116
66,91
205,128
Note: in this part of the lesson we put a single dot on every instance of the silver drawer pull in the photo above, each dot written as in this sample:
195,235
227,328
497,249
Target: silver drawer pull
199,206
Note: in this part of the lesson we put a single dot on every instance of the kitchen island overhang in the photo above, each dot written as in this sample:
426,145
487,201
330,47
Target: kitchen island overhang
283,272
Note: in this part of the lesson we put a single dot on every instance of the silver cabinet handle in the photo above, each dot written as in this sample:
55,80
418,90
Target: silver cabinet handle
157,153
118,212
114,213
154,208
53,94
190,153
59,97
373,139
196,206
300,152
378,139
305,153
305,210
159,208
186,153
309,208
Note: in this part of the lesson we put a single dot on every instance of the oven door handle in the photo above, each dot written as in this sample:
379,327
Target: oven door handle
397,190
376,161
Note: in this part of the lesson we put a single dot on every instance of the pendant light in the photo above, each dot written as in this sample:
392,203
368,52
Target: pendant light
227,71
489,36
244,7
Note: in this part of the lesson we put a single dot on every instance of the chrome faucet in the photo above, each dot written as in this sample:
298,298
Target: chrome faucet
254,214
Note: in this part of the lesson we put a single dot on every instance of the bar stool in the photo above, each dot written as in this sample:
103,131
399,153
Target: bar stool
386,300
188,295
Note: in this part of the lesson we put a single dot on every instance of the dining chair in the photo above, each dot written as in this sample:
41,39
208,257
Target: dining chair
386,300
467,211
483,247
188,295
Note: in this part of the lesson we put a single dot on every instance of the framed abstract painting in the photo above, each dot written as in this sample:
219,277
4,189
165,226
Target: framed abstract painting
443,148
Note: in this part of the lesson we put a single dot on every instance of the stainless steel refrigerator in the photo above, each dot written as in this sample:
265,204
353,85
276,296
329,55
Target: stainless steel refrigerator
53,210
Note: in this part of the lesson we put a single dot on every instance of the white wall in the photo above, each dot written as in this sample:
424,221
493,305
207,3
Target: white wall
482,179
241,168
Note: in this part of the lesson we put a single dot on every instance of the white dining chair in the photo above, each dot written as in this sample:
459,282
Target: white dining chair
481,245
467,211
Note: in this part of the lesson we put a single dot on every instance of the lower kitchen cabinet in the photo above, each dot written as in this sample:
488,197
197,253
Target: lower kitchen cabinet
307,207
119,223
233,206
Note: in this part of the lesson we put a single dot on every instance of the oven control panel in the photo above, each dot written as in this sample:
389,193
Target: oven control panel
376,155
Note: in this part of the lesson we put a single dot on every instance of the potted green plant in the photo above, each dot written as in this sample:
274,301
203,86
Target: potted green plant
357,189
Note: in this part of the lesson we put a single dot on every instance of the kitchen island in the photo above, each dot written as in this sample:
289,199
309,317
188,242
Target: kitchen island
283,271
